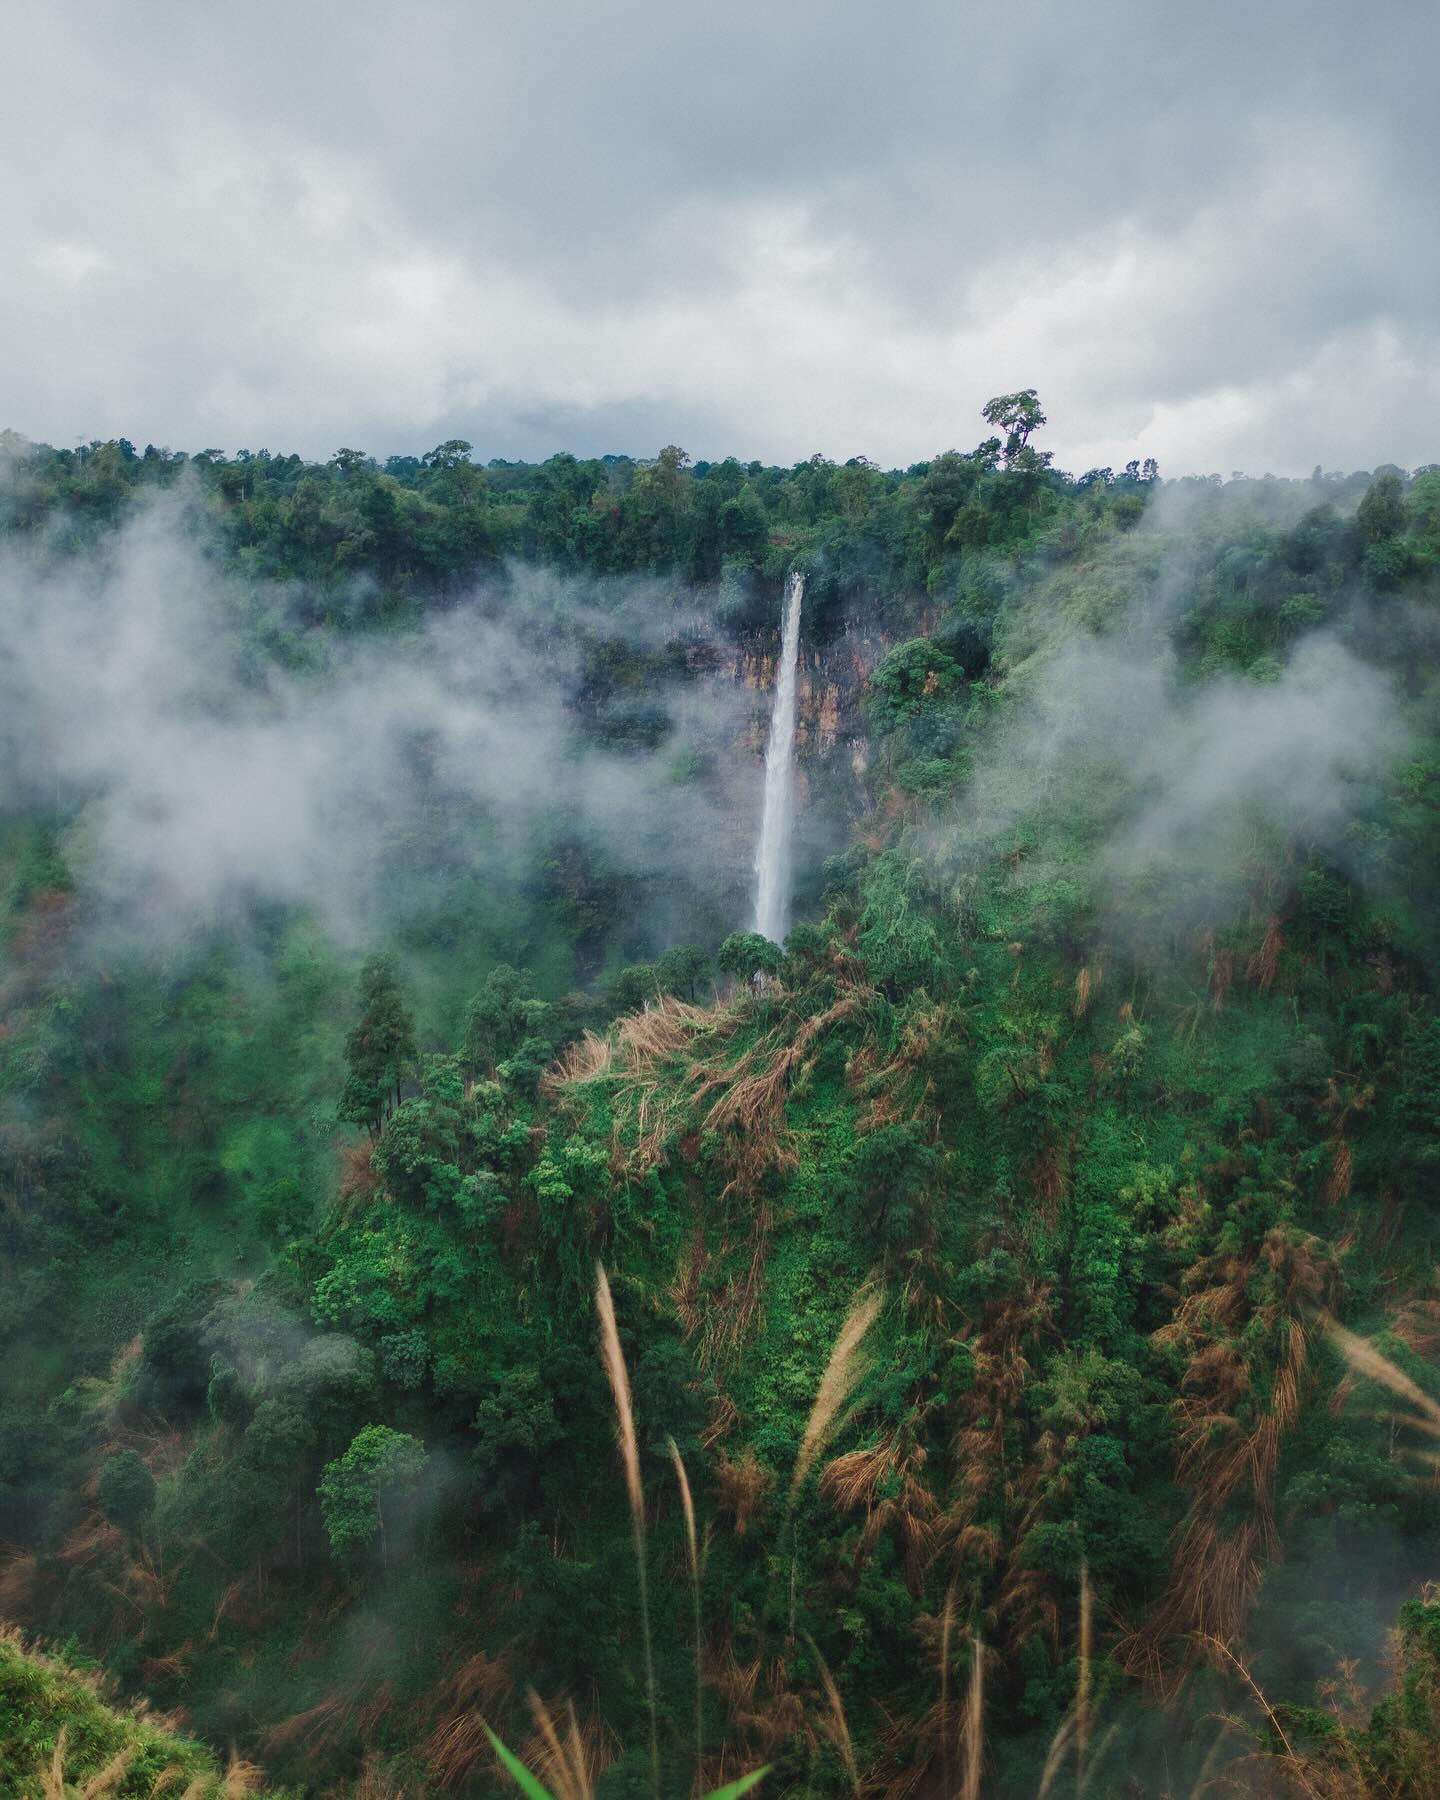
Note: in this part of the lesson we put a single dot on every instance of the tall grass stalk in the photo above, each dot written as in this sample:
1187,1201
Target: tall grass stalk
692,1544
842,1372
1082,1688
947,1625
840,1726
1294,1766
614,1359
974,1721
1366,1360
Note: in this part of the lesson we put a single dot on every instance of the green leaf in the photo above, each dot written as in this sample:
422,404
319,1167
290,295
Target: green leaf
732,1790
513,1766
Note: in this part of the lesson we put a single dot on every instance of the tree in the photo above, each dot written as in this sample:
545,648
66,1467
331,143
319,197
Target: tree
127,1491
377,1474
449,455
380,1050
681,970
1381,514
748,954
503,1016
1017,415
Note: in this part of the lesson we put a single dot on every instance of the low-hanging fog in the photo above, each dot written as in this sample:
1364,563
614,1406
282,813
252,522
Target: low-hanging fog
204,775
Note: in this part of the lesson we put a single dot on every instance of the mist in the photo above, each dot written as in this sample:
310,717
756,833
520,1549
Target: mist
201,776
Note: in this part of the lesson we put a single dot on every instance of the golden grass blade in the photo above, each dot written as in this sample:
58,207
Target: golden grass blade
583,1785
947,1625
108,1780
692,1544
974,1722
1082,1690
839,1725
1059,1749
1207,1768
54,1777
1366,1360
614,1360
1294,1765
842,1372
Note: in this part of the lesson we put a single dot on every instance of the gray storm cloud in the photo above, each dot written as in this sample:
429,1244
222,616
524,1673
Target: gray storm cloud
1202,233
206,777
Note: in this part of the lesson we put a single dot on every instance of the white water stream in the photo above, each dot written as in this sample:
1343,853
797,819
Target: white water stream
772,853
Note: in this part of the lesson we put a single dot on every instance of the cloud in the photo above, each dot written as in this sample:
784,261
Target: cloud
758,230
1113,783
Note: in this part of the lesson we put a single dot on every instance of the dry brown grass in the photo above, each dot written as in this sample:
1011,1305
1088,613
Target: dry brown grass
359,1179
742,1486
1246,1323
730,1316
568,1754
887,1480
669,1062
457,1749
1263,966
897,1086
764,1712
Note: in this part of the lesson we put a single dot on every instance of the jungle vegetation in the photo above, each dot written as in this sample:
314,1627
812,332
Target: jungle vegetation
1018,1290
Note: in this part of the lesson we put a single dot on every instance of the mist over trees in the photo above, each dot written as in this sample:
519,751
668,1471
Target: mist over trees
375,865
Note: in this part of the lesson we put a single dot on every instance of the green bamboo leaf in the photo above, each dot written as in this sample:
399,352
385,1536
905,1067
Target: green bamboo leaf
734,1789
513,1766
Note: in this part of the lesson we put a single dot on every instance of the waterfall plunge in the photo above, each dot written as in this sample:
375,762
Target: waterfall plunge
772,854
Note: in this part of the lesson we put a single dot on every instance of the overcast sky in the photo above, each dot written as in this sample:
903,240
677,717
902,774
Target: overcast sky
1206,233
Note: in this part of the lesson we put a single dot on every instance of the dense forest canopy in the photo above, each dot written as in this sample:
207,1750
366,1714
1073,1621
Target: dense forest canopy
1024,1279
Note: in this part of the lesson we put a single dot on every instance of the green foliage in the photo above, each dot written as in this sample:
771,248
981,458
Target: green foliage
126,1491
53,1714
746,955
380,1050
1107,1155
372,1481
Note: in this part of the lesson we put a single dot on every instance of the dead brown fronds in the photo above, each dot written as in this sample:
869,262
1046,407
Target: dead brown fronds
763,1710
1222,1654
843,1371
585,1059
742,1485
359,1178
686,1287
1340,1174
887,1481
730,1315
566,1752
724,1417
457,1748
896,1085
1264,964
1246,1324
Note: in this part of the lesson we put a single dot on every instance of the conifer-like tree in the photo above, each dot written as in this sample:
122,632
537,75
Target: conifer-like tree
380,1050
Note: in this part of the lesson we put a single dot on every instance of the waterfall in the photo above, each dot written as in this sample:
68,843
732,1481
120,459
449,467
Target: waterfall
772,854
